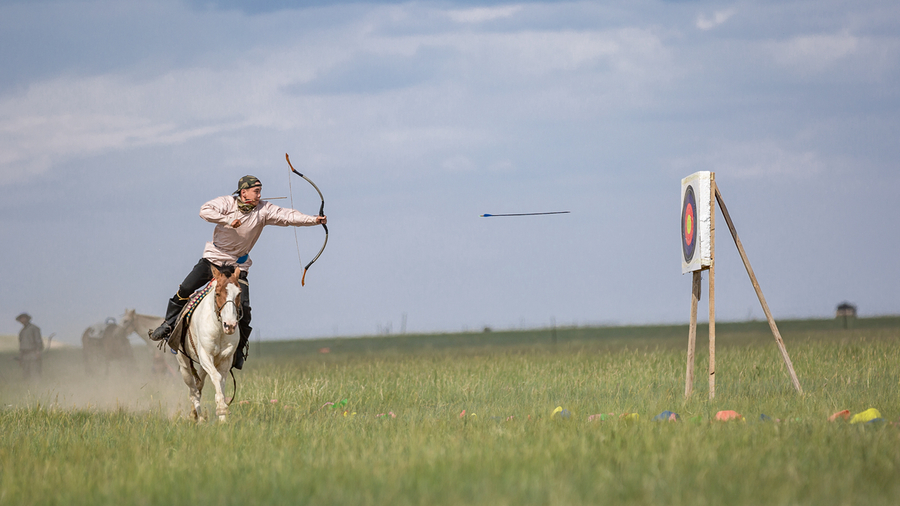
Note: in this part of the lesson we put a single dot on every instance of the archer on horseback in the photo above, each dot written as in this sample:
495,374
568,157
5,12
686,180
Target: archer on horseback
239,220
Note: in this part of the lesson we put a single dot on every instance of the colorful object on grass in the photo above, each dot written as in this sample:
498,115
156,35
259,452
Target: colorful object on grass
273,401
334,405
563,413
599,417
726,416
667,416
866,416
843,415
764,418
523,214
630,417
389,413
462,414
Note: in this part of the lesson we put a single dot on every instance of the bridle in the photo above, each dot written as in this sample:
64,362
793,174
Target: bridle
237,308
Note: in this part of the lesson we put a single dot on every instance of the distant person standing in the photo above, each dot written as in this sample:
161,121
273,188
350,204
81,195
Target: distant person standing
30,347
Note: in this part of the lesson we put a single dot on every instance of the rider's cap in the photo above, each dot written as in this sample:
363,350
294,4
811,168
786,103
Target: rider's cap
246,182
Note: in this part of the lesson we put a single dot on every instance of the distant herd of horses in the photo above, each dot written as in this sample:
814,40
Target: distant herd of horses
205,348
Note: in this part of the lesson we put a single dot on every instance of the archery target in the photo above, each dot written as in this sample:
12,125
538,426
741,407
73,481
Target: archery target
695,222
688,224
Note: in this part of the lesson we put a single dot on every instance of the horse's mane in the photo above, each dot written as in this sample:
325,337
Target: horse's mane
227,270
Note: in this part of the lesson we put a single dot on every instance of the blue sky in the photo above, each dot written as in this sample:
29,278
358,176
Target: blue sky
120,119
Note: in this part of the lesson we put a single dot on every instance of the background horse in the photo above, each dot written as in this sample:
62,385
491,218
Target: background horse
142,325
103,344
212,340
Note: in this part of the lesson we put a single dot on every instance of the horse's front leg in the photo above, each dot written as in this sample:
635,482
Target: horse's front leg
217,377
194,381
221,405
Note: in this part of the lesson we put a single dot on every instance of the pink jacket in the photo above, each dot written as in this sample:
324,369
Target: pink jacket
229,244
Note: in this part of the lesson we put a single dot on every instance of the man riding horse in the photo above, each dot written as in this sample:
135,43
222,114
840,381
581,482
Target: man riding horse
239,220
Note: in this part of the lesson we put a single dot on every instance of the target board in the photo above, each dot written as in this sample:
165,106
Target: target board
696,201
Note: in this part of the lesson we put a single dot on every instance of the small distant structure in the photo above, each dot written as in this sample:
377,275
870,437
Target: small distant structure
845,311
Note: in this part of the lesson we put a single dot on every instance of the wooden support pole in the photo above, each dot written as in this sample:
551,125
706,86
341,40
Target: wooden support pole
759,294
711,292
692,336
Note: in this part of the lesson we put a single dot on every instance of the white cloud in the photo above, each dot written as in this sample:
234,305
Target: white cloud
458,163
482,14
755,160
72,117
481,82
708,23
815,53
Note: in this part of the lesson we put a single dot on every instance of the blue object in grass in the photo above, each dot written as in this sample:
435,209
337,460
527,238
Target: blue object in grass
666,416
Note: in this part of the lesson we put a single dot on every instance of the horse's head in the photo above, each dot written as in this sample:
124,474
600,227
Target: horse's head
128,320
228,297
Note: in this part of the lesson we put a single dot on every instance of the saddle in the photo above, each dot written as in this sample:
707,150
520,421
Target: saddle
183,323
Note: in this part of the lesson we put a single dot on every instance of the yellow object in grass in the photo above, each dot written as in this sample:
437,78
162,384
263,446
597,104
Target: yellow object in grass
866,416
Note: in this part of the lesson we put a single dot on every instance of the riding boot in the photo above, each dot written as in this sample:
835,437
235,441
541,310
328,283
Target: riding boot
243,324
199,276
176,304
243,346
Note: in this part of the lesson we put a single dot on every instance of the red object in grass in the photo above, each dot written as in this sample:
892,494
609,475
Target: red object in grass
724,416
845,414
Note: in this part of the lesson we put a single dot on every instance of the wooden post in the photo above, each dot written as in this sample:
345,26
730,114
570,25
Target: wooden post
712,290
692,336
759,294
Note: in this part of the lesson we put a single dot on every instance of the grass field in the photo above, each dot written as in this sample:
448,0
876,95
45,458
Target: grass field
401,439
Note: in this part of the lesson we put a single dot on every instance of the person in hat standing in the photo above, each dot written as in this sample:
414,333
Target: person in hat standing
30,347
240,219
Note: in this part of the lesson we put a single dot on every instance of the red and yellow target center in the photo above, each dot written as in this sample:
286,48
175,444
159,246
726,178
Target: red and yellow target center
689,225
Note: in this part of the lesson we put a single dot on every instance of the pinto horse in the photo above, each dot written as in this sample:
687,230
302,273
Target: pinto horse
212,340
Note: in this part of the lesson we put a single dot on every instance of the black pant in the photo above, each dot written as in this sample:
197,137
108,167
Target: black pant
196,279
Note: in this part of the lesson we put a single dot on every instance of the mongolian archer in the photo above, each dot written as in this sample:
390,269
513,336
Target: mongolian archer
239,220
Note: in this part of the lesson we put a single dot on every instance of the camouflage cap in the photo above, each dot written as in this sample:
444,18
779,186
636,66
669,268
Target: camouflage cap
246,182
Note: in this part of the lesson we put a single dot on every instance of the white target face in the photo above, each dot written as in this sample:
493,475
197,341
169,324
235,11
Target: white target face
696,200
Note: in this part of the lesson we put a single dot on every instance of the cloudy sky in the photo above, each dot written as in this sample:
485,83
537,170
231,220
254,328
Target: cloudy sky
119,119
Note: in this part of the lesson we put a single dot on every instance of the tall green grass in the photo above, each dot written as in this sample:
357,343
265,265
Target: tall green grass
60,445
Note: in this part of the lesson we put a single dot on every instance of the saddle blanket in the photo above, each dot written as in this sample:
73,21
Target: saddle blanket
176,338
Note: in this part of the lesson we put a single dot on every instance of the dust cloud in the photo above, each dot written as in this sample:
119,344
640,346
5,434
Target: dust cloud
148,382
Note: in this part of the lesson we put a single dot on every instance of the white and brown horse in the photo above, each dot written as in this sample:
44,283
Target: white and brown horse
212,340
